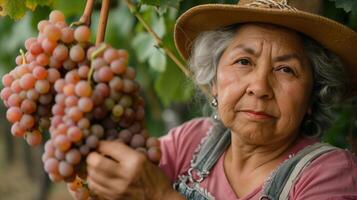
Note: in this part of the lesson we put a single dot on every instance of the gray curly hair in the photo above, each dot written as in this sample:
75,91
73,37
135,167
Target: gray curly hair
328,74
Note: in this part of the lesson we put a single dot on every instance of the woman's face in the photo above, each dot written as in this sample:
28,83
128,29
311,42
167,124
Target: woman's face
264,83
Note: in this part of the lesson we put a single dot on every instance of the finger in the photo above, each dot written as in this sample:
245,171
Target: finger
115,190
110,182
99,189
117,150
102,164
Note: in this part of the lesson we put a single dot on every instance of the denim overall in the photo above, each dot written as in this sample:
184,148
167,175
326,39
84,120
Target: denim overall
277,187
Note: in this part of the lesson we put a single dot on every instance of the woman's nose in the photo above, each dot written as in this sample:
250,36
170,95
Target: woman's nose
260,86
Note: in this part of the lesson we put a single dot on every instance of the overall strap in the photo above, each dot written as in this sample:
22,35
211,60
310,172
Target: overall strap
204,158
210,150
282,180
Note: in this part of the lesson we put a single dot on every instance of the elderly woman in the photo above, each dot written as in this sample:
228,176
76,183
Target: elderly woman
274,72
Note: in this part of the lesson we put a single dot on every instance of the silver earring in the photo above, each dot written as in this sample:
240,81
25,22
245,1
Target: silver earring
214,102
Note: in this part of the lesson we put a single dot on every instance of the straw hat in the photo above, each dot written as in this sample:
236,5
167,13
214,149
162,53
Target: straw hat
332,35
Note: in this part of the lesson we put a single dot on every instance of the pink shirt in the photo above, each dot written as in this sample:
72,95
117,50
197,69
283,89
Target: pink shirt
331,176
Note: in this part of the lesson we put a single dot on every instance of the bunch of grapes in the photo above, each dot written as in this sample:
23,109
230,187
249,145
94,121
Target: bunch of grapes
81,93
28,89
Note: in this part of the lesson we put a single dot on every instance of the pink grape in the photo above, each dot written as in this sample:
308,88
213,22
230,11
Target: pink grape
105,74
48,45
28,106
74,134
118,66
27,121
17,130
85,104
73,156
83,89
43,59
67,35
60,53
53,75
5,93
56,16
82,34
62,143
34,138
110,55
14,100
13,114
36,48
77,53
40,73
51,165
52,32
42,86
7,80
27,81
65,169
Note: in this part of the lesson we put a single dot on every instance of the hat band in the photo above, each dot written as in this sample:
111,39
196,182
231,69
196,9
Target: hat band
283,5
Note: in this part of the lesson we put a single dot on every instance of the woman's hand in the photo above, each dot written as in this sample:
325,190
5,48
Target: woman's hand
116,171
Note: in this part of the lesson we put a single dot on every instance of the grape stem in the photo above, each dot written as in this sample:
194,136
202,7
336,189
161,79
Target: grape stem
86,17
133,8
23,56
104,12
95,53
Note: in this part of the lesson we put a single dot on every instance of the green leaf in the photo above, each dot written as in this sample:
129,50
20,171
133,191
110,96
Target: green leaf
157,60
32,4
158,25
171,3
173,86
151,2
162,3
69,7
122,19
143,44
14,8
344,4
353,17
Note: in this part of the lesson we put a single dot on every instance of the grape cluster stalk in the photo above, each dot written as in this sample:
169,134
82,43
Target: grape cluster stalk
81,93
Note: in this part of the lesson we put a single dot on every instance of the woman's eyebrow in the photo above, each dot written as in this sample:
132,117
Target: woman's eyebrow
245,49
287,57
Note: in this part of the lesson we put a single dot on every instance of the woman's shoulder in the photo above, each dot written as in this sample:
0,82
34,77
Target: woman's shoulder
189,132
180,143
332,175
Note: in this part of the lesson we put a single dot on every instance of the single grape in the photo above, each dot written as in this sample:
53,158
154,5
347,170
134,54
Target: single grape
77,53
56,16
52,32
73,156
34,138
82,34
65,169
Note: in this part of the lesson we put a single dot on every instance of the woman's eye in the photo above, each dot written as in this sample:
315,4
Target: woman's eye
287,70
243,61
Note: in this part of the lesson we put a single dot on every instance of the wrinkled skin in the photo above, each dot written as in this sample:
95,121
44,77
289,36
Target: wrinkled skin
124,173
263,86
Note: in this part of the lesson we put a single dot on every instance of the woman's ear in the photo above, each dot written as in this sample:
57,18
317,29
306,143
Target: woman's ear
214,91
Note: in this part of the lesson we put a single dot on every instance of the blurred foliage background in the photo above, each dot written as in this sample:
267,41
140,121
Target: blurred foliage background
170,96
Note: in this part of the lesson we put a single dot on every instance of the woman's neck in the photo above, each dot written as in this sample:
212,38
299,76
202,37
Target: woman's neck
247,166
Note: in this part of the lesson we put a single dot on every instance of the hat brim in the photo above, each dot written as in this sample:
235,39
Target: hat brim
336,37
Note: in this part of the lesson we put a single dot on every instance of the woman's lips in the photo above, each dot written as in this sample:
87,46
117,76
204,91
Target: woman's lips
257,115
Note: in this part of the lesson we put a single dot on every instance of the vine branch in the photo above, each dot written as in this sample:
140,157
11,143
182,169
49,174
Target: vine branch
87,14
103,18
133,8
